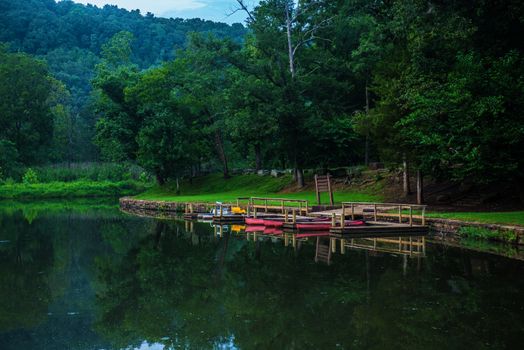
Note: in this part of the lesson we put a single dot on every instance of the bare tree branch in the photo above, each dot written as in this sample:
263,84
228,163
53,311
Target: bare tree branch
243,7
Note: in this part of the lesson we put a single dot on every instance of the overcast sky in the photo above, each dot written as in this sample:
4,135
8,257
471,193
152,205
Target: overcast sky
216,10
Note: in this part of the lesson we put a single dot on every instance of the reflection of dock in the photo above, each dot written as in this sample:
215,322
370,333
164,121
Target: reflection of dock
410,246
323,250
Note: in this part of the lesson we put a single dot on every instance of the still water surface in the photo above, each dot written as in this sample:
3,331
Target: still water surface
91,277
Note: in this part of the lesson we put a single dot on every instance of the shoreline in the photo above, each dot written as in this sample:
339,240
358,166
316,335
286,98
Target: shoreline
440,228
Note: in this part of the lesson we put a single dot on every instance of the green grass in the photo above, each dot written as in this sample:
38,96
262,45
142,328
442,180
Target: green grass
508,218
487,234
214,187
77,189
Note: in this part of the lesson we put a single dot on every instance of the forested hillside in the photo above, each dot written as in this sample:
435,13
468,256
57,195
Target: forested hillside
436,85
69,37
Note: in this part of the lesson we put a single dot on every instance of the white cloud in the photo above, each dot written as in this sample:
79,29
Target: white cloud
158,7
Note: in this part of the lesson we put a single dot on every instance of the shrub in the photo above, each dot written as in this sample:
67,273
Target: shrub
484,233
30,177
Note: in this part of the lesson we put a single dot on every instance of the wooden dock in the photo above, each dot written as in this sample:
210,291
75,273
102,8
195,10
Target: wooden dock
383,220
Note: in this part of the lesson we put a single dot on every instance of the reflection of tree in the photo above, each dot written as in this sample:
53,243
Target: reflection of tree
24,263
161,289
203,292
445,312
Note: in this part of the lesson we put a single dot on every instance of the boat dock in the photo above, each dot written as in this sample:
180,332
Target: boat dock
381,219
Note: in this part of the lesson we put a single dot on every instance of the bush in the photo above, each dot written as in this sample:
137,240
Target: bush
30,177
484,233
89,171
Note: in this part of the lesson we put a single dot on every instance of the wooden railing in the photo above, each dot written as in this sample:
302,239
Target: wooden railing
387,211
281,205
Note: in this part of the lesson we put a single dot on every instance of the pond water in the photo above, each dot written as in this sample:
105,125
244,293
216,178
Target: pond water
91,277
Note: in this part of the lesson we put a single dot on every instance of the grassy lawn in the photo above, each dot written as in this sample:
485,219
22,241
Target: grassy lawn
508,218
214,188
76,189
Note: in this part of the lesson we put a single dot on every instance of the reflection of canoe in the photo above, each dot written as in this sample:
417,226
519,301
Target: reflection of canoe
255,228
273,231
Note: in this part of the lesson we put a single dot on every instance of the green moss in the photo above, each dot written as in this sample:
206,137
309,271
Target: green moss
214,187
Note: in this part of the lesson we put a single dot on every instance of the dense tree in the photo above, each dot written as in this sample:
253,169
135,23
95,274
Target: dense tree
436,86
27,93
70,37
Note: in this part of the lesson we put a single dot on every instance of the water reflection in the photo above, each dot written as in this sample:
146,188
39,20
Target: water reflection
93,280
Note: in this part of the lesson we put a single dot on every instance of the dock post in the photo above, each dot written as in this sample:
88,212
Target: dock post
410,215
333,245
352,211
294,216
307,207
334,220
221,211
343,218
342,246
282,204
423,216
400,214
375,211
285,216
254,212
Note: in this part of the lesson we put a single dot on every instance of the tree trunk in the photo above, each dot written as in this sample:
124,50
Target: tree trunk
366,153
300,178
160,179
258,157
290,44
221,153
420,187
405,177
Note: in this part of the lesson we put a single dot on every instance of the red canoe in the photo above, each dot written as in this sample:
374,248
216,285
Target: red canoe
255,228
253,221
273,223
324,226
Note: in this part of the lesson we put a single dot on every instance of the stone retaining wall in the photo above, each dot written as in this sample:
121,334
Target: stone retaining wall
442,228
